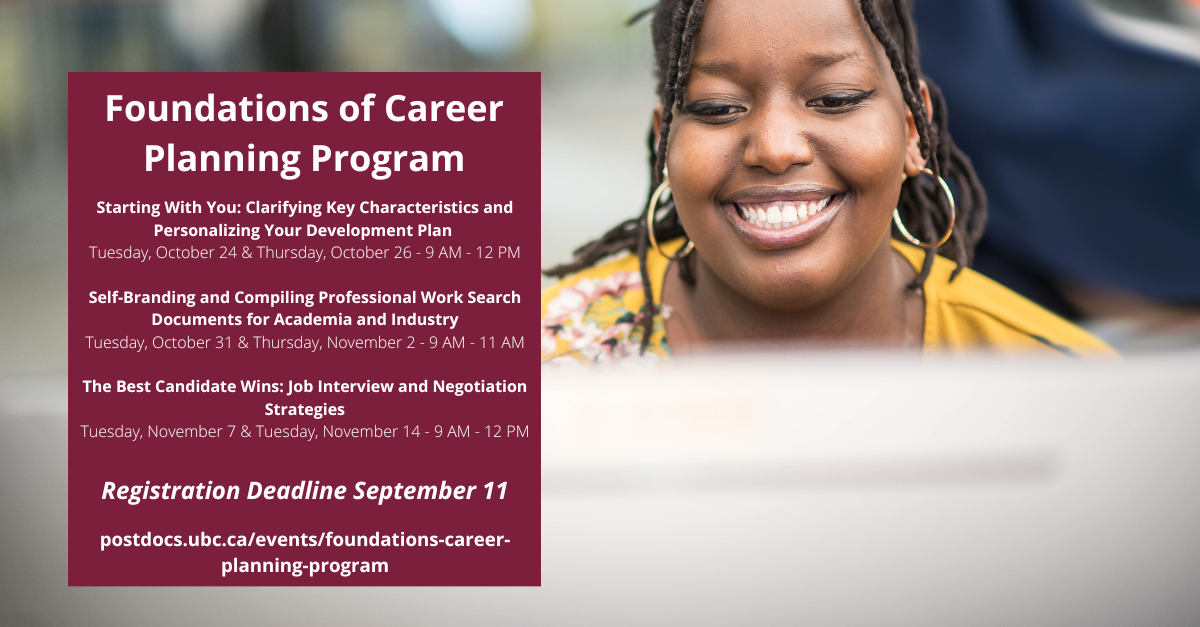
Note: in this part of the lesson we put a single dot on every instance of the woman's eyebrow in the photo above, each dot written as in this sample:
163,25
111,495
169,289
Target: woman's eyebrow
819,60
715,68
824,60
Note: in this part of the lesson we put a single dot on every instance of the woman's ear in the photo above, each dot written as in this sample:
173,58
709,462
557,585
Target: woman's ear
657,121
913,161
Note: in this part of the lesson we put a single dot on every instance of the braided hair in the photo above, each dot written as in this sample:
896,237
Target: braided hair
922,205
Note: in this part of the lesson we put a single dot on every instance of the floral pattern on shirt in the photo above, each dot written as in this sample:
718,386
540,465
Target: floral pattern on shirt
597,320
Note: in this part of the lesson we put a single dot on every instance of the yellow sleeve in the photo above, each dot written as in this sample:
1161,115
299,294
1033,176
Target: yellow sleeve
973,311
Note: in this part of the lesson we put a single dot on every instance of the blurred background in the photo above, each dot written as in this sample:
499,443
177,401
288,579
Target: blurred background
597,81
1141,293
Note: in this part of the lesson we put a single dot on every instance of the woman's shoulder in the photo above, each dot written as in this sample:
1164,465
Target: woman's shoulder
972,310
593,316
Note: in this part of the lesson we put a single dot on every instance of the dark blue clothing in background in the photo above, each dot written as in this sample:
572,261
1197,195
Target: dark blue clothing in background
1088,146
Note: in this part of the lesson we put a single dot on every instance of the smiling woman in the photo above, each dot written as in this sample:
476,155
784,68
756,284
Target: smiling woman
793,139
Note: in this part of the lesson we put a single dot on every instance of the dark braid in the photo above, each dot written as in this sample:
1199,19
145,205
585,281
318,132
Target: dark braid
909,81
680,60
922,204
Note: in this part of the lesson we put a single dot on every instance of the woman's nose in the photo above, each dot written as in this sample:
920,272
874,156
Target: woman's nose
777,140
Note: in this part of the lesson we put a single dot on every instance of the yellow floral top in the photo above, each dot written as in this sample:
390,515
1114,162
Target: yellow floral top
593,317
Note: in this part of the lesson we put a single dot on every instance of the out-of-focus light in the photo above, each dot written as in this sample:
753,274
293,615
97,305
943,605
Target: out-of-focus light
206,28
486,28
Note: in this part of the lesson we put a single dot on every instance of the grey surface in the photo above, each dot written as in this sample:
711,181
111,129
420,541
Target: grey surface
846,490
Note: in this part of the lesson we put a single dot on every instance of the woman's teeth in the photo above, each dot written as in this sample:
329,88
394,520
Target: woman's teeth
781,215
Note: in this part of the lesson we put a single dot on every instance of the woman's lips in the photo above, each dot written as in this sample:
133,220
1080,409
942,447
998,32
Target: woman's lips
775,224
780,214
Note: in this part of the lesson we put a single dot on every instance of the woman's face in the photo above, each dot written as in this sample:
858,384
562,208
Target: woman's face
787,156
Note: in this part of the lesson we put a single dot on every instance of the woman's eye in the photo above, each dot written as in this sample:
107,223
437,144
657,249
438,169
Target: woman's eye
713,109
840,101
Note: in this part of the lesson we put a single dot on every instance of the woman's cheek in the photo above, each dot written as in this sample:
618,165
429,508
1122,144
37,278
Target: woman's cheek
872,159
697,164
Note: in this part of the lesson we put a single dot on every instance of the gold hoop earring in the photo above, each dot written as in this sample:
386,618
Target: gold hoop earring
650,210
908,236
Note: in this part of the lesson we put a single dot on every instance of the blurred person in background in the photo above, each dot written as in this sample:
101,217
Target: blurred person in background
796,139
1083,121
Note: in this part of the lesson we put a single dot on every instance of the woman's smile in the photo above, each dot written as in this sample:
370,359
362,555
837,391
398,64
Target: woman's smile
772,218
